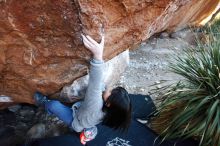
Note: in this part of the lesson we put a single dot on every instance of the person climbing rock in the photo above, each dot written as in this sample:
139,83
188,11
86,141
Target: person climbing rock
111,107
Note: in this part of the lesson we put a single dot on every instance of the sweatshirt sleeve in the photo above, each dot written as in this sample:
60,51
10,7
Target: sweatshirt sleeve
95,86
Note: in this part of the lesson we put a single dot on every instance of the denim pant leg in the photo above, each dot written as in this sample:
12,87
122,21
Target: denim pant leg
63,112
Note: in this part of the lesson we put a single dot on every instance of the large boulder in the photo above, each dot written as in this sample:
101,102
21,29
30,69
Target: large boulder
40,42
112,71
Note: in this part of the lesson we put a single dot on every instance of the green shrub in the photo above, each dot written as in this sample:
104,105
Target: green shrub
191,108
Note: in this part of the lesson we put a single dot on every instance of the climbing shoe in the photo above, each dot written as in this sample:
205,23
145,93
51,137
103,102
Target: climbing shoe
40,99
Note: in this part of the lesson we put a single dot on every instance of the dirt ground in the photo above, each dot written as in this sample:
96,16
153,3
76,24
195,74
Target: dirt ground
149,64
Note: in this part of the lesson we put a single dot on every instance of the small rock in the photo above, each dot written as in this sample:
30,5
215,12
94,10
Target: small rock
26,113
14,108
164,35
55,119
176,48
53,131
187,35
143,43
37,131
157,82
59,122
56,130
158,86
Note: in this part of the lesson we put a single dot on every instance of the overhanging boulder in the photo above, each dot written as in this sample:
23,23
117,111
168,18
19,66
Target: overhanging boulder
41,47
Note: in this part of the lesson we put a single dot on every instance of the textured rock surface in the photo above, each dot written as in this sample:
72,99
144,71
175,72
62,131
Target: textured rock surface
40,45
112,71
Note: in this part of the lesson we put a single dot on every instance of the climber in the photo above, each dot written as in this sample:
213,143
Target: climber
111,107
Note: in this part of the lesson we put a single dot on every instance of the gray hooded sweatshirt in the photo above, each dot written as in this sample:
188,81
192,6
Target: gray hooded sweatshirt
90,112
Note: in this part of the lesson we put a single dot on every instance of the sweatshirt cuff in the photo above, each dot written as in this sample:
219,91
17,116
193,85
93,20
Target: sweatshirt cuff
95,61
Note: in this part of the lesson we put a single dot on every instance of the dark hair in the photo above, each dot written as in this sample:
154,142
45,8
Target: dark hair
118,113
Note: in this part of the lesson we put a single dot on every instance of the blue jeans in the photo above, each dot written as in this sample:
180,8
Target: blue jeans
63,112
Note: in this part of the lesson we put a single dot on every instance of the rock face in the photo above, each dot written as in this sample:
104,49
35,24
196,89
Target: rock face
112,71
40,44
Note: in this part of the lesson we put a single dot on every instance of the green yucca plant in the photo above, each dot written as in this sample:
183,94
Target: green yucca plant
191,108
